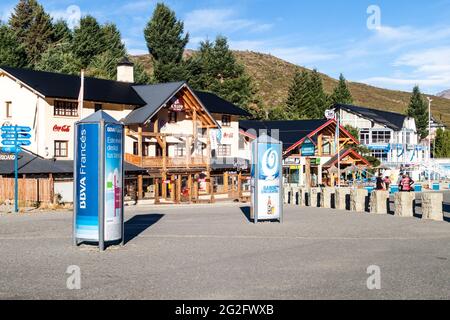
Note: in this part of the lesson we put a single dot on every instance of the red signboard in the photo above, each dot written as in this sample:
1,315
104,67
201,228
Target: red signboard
64,128
177,105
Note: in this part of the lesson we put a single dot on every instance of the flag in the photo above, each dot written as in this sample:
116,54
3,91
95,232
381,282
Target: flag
81,96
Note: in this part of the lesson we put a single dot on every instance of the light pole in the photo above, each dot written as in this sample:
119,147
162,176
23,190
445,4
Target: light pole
429,141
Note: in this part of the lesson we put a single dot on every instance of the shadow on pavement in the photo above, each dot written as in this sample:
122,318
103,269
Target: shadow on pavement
246,212
138,224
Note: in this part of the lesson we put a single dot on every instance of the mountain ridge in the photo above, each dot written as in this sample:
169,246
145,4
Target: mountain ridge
272,77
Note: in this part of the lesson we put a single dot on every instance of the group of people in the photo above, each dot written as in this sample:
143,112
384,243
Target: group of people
405,183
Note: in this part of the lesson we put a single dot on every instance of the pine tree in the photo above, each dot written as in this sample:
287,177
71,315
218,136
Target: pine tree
216,70
299,101
318,97
12,53
442,144
166,42
61,32
418,110
341,94
88,40
59,58
33,28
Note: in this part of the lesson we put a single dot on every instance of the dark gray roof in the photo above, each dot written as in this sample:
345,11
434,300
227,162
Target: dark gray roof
98,116
58,85
289,132
389,119
30,163
155,96
216,104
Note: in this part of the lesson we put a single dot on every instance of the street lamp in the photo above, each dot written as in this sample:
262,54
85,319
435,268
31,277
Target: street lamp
429,141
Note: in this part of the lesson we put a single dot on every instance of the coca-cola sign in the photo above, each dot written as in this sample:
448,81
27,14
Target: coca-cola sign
64,128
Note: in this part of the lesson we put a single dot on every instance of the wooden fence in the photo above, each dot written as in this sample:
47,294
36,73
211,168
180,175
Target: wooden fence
30,190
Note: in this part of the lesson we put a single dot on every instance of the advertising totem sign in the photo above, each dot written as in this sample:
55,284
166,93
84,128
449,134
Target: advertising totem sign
267,179
98,180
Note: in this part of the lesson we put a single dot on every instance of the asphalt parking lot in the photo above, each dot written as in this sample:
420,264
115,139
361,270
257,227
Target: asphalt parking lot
214,252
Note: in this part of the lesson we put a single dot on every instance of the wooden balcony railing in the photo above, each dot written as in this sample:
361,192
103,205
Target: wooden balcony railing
171,162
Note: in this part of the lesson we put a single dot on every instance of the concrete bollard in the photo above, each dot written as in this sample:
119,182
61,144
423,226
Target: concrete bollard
404,204
342,199
314,197
359,200
326,197
378,202
286,194
432,206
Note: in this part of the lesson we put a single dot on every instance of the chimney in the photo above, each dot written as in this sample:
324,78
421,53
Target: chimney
125,71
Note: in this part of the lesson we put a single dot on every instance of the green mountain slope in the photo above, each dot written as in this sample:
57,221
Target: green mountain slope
272,76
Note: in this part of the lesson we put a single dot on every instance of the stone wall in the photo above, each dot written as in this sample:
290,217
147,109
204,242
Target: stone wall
326,198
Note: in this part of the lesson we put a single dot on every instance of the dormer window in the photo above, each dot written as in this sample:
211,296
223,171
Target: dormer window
226,120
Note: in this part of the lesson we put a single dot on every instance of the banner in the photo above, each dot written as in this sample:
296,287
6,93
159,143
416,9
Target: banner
267,159
113,181
87,181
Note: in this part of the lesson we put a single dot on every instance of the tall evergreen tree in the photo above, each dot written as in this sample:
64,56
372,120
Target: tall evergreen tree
318,97
166,43
442,144
299,101
215,69
59,58
61,32
33,28
341,94
12,53
418,110
88,40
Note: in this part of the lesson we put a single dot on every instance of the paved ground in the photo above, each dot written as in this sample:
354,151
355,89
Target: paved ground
204,252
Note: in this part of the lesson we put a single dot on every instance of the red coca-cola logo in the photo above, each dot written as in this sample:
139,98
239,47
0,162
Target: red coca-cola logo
63,128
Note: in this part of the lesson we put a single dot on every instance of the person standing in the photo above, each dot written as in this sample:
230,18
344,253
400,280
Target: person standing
387,182
406,183
380,185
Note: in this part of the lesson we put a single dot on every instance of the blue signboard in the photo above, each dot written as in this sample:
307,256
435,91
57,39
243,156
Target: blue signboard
87,181
267,179
98,195
113,181
308,148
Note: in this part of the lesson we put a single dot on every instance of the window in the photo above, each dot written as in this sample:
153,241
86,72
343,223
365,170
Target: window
226,120
381,136
172,117
145,149
98,107
180,150
224,150
364,137
8,109
65,108
381,155
61,148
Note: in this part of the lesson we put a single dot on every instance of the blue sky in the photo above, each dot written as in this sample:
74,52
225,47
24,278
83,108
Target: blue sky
408,45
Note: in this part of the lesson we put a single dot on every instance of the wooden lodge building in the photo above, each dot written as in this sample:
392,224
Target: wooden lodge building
318,166
186,142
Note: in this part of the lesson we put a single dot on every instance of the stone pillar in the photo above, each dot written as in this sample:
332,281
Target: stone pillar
358,200
325,199
342,196
378,201
302,196
286,194
314,194
432,206
403,203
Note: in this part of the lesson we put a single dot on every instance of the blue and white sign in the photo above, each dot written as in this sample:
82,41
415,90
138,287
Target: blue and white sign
308,148
267,179
87,166
98,196
113,181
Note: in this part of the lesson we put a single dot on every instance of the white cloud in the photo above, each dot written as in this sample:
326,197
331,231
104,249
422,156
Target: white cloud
220,20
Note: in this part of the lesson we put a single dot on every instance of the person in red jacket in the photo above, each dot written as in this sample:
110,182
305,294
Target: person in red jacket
406,183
